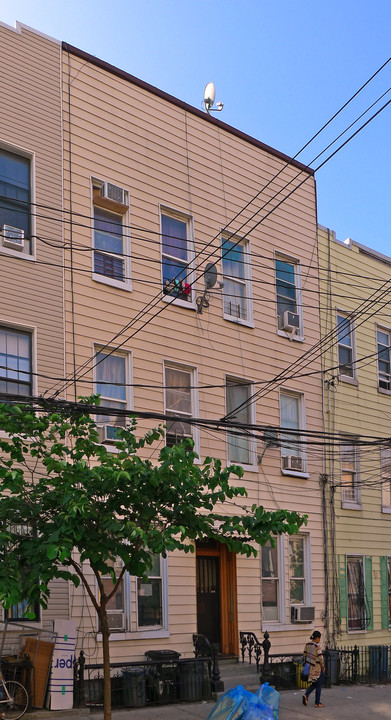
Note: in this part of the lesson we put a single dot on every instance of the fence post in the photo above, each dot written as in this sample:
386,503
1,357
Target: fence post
78,679
356,653
266,649
217,684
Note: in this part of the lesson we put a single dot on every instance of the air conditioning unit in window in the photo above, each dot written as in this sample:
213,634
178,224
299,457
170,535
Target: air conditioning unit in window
107,433
289,321
113,192
293,462
302,613
13,237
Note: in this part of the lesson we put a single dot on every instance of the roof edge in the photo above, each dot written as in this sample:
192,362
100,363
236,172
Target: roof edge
183,105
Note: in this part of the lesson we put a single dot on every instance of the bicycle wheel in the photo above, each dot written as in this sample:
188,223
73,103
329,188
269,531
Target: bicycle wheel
16,706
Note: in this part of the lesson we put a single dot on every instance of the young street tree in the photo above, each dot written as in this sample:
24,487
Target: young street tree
67,504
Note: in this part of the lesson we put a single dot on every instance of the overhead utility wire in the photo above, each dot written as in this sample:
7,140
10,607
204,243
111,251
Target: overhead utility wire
147,308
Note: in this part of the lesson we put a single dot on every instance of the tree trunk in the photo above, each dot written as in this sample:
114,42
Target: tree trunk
104,628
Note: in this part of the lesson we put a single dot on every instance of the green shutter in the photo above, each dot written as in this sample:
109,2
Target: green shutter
385,620
343,588
368,591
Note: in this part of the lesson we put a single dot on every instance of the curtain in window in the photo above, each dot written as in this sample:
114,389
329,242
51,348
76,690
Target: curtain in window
290,419
238,444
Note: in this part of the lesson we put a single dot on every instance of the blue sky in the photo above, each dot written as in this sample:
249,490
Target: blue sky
282,70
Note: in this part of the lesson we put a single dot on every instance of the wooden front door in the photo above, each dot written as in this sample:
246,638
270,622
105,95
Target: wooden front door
216,596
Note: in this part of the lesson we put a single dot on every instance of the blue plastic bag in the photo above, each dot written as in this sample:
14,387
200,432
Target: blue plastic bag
269,696
259,711
231,705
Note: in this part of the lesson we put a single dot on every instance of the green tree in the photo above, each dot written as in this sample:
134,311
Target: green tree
66,500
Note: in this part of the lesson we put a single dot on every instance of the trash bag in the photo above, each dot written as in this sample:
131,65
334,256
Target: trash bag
269,696
259,711
231,705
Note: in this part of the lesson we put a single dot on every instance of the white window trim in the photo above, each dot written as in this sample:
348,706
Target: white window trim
194,395
302,425
307,569
127,354
299,336
188,219
281,608
347,378
29,155
249,322
387,330
383,456
351,504
150,631
32,330
125,284
252,466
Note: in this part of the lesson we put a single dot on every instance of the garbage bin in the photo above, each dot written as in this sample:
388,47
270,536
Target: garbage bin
190,681
133,690
163,680
378,663
332,666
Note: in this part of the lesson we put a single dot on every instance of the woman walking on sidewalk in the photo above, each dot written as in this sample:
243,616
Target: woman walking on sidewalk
314,656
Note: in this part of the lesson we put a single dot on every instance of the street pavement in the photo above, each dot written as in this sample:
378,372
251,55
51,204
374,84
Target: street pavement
354,702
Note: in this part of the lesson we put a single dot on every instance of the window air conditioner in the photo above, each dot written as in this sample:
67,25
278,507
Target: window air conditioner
293,462
302,613
289,321
106,434
13,237
113,192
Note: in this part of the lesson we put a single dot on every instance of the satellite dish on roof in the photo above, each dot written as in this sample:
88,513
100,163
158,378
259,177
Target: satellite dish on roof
209,98
210,275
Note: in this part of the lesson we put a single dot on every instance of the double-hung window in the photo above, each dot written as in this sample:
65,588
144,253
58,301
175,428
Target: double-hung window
116,605
150,596
383,359
298,570
239,410
109,245
288,294
176,256
350,474
386,479
345,346
15,198
271,582
236,280
15,362
179,402
111,373
291,421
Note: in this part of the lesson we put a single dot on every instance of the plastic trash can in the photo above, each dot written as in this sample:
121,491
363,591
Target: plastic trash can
190,681
133,691
163,679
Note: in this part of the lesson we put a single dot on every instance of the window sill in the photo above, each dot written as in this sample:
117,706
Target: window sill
383,391
386,510
290,337
295,473
17,253
348,380
177,302
136,635
239,321
247,468
350,505
284,626
120,284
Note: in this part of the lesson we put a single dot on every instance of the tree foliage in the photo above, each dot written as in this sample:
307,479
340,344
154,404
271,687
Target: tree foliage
66,500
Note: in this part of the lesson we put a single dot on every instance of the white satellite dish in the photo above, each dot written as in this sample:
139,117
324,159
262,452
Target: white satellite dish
209,96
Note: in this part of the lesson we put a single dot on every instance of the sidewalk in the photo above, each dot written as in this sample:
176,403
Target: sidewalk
355,702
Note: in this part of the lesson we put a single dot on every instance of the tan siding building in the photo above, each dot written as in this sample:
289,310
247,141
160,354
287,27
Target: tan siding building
154,187
355,308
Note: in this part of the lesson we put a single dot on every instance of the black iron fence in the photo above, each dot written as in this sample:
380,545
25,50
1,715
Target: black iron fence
149,682
343,665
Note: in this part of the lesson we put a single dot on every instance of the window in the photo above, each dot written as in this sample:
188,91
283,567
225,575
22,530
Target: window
270,582
386,479
349,474
292,419
345,346
236,287
15,362
150,597
239,409
110,381
15,196
116,605
19,610
297,570
357,615
288,295
383,359
179,400
176,256
109,245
